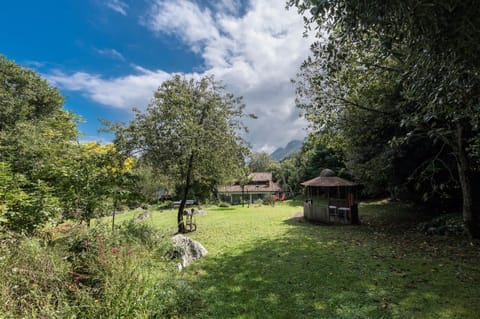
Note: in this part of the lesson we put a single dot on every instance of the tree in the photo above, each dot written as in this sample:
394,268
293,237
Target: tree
190,131
24,205
35,134
151,181
260,162
428,55
93,176
24,95
312,158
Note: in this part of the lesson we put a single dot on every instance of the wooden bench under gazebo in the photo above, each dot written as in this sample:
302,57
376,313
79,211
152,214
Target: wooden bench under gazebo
330,198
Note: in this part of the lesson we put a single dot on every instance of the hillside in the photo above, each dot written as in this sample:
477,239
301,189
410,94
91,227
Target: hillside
282,153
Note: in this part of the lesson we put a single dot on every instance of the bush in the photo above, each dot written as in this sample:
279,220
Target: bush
223,204
165,204
448,224
32,280
139,233
25,205
269,200
258,202
90,273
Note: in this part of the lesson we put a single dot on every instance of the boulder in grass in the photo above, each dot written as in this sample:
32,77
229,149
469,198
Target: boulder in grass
142,216
188,249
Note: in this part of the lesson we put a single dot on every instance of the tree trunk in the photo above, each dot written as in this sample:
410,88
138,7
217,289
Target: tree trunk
181,224
469,211
243,194
114,213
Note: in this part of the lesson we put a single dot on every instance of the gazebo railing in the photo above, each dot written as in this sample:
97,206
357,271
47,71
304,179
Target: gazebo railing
338,202
335,209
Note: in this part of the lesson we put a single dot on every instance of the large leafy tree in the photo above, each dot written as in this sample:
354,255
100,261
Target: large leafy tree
91,178
412,62
260,162
24,95
191,131
35,133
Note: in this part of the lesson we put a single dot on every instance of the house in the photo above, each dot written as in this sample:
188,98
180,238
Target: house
259,185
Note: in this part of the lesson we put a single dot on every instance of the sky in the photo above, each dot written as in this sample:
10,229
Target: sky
109,56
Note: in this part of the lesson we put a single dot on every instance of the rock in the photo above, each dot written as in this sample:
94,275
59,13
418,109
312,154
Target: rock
142,216
187,248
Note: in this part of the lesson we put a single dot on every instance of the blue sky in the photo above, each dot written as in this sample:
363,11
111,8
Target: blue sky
108,56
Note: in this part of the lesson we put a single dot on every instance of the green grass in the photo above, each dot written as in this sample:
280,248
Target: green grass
262,263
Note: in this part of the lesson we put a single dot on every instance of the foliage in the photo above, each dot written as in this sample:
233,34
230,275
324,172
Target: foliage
24,96
269,199
223,204
94,177
90,273
412,66
35,137
190,132
32,280
447,224
313,157
260,162
136,232
259,202
24,205
150,181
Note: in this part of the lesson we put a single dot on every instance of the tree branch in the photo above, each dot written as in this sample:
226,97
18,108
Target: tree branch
354,104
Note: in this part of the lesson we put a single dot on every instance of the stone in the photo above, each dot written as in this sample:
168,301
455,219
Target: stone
188,249
142,216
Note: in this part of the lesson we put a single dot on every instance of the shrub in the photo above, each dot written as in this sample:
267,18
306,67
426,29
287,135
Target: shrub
92,273
32,280
223,204
166,204
25,205
258,202
140,233
269,200
448,224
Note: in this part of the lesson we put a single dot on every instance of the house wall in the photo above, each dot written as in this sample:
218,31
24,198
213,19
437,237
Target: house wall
236,199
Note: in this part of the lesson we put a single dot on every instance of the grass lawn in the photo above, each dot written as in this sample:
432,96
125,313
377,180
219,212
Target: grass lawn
262,263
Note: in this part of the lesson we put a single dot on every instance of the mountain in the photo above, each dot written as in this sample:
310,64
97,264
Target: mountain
282,153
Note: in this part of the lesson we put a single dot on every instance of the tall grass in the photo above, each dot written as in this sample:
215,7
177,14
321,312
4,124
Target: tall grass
90,273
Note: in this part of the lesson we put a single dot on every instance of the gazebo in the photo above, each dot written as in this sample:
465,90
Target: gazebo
330,198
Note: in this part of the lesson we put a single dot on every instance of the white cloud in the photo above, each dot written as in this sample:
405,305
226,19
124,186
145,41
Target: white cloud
111,53
255,55
118,6
228,6
122,92
194,25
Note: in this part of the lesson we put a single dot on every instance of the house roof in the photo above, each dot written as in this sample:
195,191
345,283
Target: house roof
328,179
259,182
260,188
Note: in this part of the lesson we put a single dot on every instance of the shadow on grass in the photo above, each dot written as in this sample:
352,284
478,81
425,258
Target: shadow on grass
221,209
329,272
